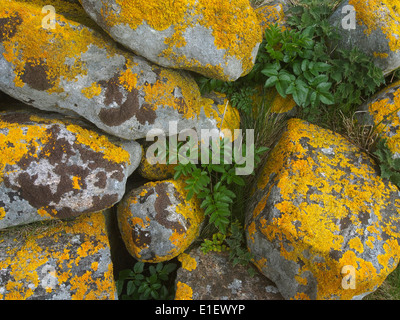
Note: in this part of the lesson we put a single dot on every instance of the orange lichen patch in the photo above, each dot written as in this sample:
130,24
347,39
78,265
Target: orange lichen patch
189,211
188,263
31,259
317,195
238,39
128,79
382,14
251,229
92,91
16,143
100,143
183,291
356,244
260,263
44,213
2,213
385,116
381,55
76,182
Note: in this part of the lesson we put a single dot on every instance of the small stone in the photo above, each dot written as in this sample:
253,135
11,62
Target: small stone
156,222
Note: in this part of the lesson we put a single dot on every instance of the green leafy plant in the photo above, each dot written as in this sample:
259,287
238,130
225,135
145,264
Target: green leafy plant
238,252
141,282
210,182
216,244
293,68
389,166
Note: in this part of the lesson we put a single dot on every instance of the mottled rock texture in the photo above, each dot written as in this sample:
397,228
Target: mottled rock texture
217,38
212,276
59,168
57,260
319,208
76,69
383,111
156,222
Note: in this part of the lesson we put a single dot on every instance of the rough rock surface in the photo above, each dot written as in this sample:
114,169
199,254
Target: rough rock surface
52,168
213,277
271,12
155,221
217,38
157,171
376,33
76,69
383,111
57,260
319,210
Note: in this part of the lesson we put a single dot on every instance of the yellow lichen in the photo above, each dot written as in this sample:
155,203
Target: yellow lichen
100,143
2,213
57,54
92,91
316,193
28,260
183,291
385,116
76,182
188,263
179,239
237,39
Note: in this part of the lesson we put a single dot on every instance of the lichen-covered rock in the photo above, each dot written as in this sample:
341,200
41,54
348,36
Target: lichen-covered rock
157,171
320,210
213,277
383,111
217,38
376,32
52,168
156,222
57,260
218,110
271,12
76,69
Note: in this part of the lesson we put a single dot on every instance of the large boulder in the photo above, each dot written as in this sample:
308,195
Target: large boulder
59,168
156,222
76,69
63,260
322,224
212,276
218,38
375,30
